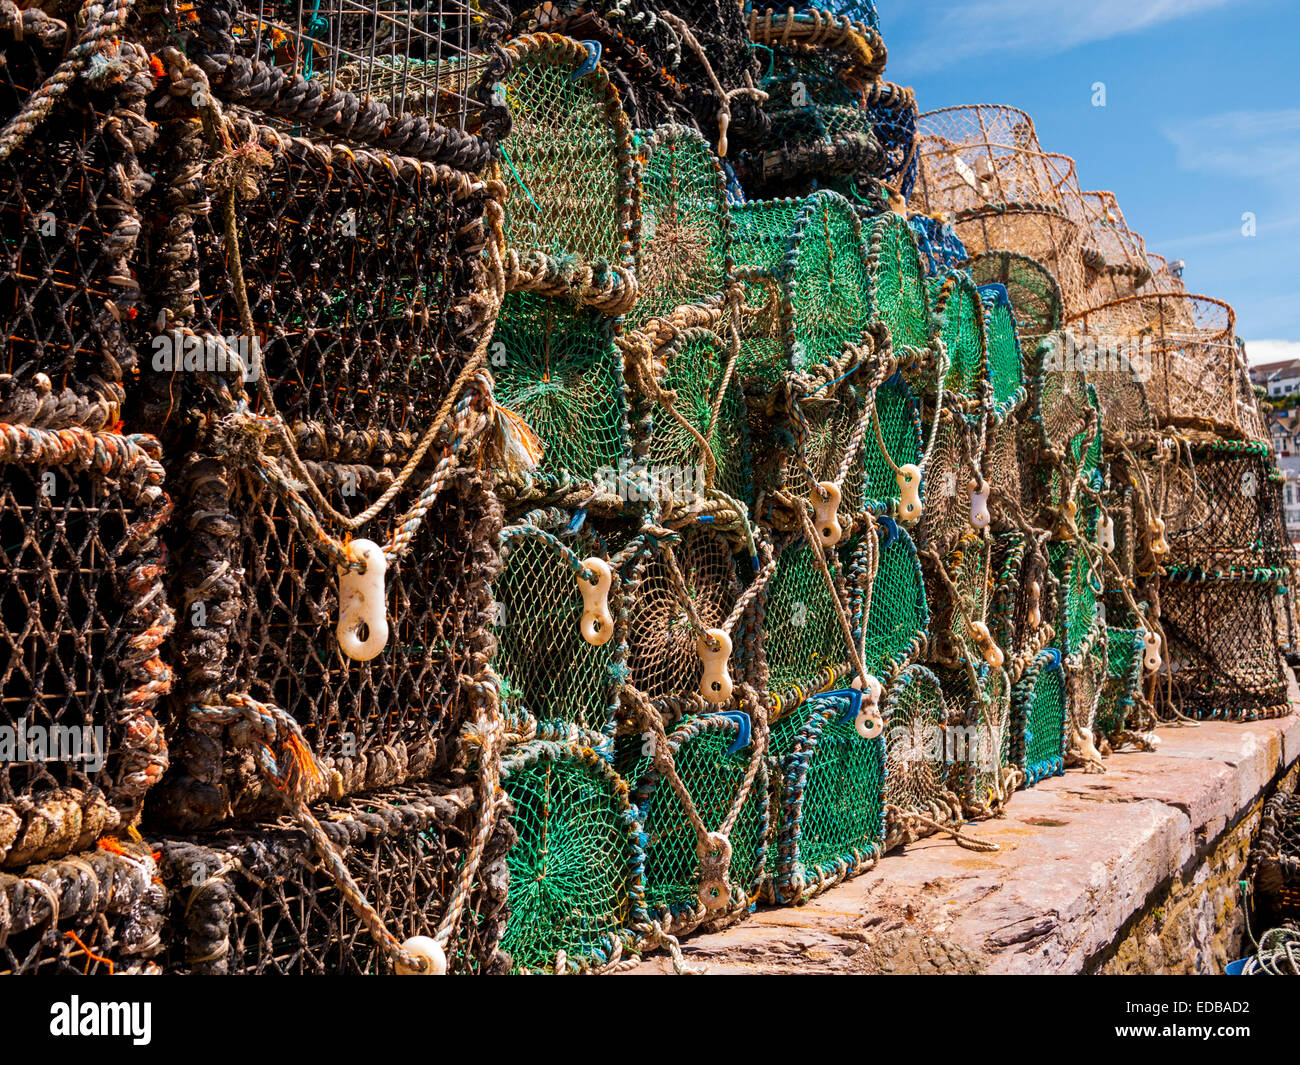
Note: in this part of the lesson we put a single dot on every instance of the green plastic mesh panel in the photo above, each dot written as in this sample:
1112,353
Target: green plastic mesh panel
685,222
898,293
801,633
814,283
1035,296
567,163
1077,593
1003,346
662,643
695,369
1039,702
919,771
547,669
1123,679
576,868
713,778
899,616
831,815
957,301
1222,648
900,429
556,366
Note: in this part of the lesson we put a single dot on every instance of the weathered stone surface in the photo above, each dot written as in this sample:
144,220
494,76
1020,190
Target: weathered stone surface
1133,870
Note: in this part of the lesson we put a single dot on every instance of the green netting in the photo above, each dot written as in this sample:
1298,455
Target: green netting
1077,594
567,163
920,776
802,636
696,369
685,222
662,643
556,366
957,302
1033,291
1123,680
1038,700
830,419
806,286
1003,346
576,869
831,814
1007,559
547,669
713,778
899,617
898,294
900,430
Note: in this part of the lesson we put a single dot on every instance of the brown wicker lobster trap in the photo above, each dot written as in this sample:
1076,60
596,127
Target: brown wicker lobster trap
84,618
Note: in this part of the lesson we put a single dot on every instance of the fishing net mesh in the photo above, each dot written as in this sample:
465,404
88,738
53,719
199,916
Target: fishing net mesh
958,301
947,485
900,431
1034,293
1275,859
576,867
899,615
892,112
556,366
982,746
547,669
898,292
1123,683
940,247
1038,232
919,774
1041,696
1078,589
1003,346
663,656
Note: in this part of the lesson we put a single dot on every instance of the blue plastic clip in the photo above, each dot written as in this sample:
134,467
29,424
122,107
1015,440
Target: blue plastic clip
853,695
891,528
593,58
1055,655
704,519
579,516
744,728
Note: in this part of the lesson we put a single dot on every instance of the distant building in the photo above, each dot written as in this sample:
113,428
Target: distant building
1284,430
1278,378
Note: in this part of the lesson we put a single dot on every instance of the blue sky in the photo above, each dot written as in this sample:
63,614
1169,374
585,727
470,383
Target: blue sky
1201,123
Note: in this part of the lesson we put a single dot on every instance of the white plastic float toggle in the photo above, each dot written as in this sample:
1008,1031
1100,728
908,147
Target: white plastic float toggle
1035,596
428,949
1151,650
597,621
714,852
868,722
979,503
826,504
361,603
1106,533
715,682
1159,545
909,489
979,632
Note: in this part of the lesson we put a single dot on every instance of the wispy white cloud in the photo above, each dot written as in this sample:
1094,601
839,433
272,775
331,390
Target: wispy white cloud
951,32
1259,145
1258,351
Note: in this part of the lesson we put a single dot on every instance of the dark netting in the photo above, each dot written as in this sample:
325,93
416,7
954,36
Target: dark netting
1038,712
714,775
921,776
69,204
556,366
83,618
548,670
1034,293
360,270
1275,860
685,222
98,912
941,249
1222,649
829,821
577,866
259,900
259,602
898,618
663,656
1001,332
1123,685
891,110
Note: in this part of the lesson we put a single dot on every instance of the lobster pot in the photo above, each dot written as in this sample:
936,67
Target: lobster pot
1039,232
969,567
1115,256
100,912
940,247
556,366
1003,465
959,308
1221,645
922,779
1122,689
1164,278
829,819
802,636
1184,349
663,644
713,755
83,623
260,899
898,294
573,213
261,611
1060,405
685,223
901,435
577,894
1126,414
1078,592
696,346
1021,608
70,203
1223,511
1003,347
1275,860
365,282
807,285
948,473
549,667
1033,292
984,772
1039,721
891,109
898,616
